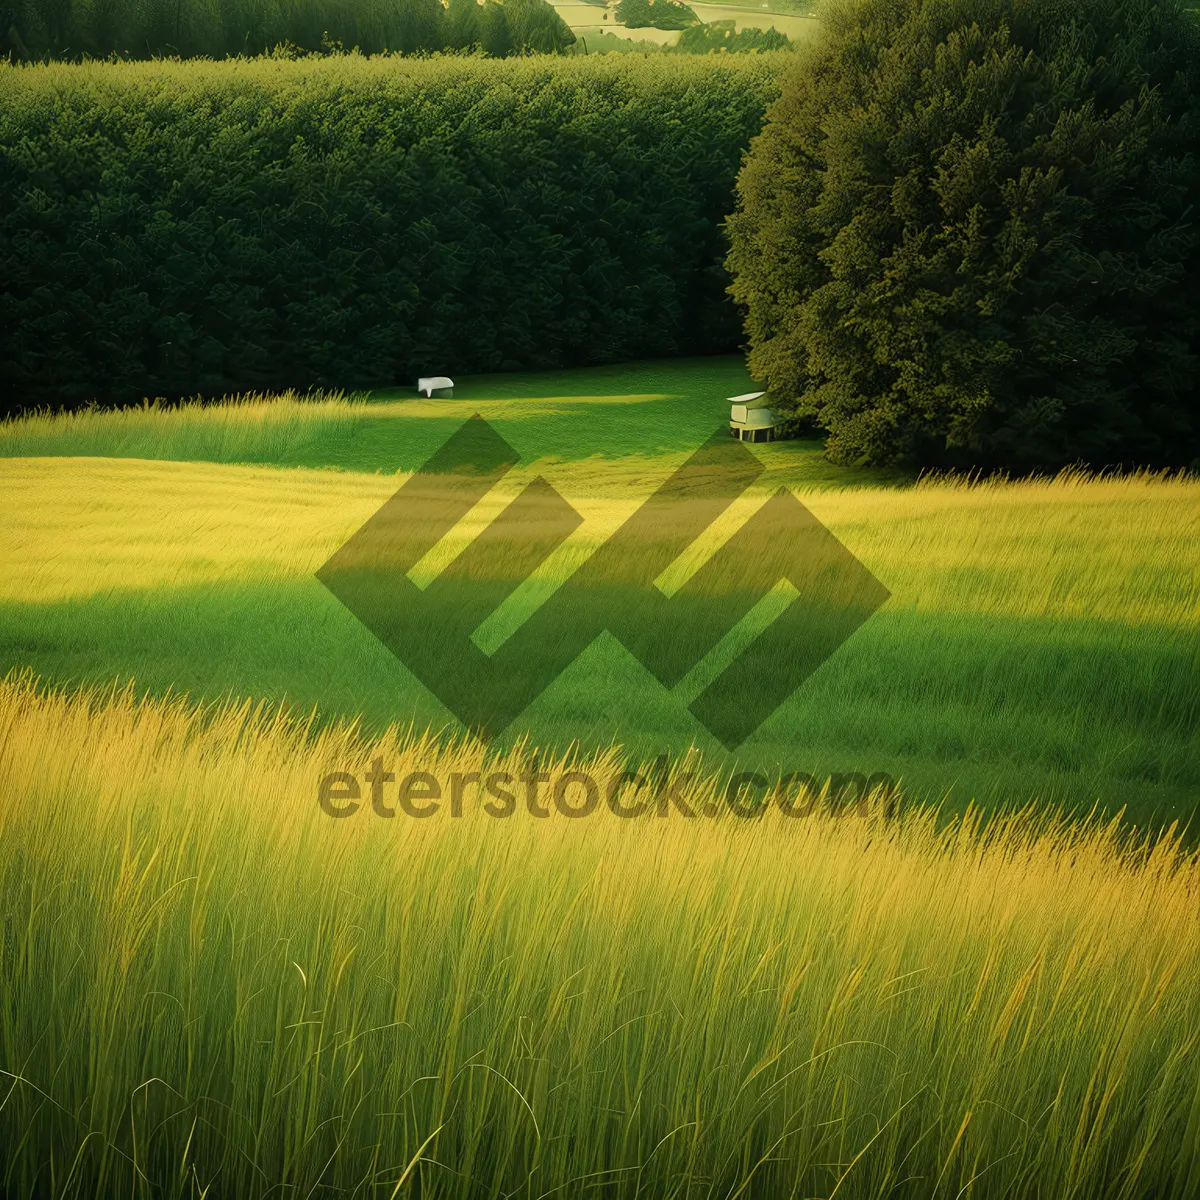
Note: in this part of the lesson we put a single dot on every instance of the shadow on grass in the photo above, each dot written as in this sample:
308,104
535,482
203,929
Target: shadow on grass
999,710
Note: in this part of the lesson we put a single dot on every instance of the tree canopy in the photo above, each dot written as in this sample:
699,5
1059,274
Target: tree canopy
217,28
967,233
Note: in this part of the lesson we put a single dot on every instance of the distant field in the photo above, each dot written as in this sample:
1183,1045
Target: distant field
588,20
593,40
758,16
1040,642
795,8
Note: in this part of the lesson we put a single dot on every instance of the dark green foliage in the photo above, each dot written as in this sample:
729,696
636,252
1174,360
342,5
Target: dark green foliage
717,37
463,21
173,228
536,27
968,234
656,14
603,41
722,37
495,35
217,28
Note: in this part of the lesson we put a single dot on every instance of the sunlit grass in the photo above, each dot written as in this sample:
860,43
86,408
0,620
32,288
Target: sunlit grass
1040,640
643,411
248,428
208,987
255,427
209,984
1125,548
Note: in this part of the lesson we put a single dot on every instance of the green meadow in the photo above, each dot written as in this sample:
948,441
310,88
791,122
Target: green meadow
1039,643
532,792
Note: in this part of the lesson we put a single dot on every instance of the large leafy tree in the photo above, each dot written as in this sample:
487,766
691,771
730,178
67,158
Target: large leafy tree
968,233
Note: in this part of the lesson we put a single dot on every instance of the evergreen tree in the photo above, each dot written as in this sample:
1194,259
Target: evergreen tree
967,233
535,27
348,221
420,26
216,28
723,37
462,24
494,34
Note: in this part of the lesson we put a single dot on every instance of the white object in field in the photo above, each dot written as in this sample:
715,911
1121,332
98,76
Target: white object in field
751,417
436,385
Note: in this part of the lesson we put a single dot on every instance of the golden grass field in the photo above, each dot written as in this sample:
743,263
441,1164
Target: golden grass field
1073,545
1097,549
1039,644
212,988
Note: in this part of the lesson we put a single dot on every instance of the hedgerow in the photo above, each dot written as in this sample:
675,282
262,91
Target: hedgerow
168,228
71,29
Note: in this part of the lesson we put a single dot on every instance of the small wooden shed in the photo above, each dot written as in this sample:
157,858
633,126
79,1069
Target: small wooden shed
752,419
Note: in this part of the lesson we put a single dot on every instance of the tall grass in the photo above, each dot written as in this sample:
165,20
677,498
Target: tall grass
211,988
253,427
1040,640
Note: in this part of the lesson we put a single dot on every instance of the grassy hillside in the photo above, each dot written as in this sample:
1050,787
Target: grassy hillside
213,989
1040,642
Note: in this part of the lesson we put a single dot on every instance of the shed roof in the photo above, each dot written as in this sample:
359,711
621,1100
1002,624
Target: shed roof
434,383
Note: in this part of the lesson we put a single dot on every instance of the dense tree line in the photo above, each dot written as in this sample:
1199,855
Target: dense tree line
723,37
656,14
969,233
218,28
169,228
